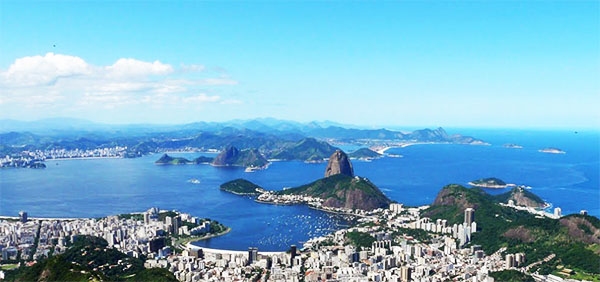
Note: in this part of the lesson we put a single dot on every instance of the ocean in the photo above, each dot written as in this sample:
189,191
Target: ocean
100,187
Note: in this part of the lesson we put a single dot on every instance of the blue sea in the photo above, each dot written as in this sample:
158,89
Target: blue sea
100,187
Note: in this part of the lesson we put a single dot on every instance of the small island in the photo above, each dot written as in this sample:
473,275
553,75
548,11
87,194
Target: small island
552,151
491,182
512,146
241,187
364,154
168,160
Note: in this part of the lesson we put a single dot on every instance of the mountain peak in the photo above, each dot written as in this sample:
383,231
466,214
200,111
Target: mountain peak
339,164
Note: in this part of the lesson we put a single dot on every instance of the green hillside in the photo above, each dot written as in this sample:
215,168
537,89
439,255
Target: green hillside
240,187
574,239
89,259
307,149
342,191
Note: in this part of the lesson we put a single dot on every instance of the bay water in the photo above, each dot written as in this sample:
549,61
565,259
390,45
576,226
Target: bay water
101,187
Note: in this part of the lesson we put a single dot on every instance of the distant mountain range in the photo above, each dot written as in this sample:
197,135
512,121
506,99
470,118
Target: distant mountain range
274,139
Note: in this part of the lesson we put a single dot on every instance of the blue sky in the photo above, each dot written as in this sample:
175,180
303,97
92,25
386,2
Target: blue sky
463,64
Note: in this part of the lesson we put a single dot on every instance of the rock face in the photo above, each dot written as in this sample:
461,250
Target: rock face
227,156
339,164
232,156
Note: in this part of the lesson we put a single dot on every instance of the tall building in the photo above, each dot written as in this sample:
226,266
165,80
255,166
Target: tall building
176,224
510,260
469,216
146,218
252,255
23,216
293,254
405,273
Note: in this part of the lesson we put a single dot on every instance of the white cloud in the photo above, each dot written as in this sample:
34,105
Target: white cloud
128,68
70,82
42,70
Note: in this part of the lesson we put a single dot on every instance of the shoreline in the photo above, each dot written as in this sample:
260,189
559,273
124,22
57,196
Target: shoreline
188,241
382,149
82,158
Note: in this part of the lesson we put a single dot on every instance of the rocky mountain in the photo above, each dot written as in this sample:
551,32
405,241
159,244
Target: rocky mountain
341,189
232,156
339,164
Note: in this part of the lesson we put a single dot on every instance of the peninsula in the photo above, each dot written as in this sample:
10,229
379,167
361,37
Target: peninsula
339,191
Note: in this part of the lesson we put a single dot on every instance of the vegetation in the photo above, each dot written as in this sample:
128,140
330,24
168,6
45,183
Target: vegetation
517,194
343,191
520,231
87,259
133,216
232,156
364,153
203,160
360,239
305,149
511,276
240,187
491,182
418,234
166,159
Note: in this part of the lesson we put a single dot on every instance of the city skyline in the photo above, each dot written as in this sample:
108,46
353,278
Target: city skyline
499,64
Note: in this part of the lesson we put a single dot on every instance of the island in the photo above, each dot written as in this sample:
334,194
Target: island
249,158
512,146
551,150
241,187
165,159
364,154
492,183
168,160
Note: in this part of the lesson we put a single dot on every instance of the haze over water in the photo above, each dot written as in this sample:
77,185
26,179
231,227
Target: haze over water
101,187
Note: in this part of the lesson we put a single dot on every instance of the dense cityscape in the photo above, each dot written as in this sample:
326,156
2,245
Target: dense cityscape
435,252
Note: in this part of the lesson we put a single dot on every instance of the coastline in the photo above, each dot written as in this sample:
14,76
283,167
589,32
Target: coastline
188,241
383,149
81,158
